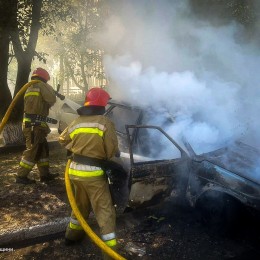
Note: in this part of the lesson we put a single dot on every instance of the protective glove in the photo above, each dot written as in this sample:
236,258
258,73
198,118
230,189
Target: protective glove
69,155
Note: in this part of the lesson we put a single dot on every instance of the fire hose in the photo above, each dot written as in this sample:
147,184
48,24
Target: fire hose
10,108
71,198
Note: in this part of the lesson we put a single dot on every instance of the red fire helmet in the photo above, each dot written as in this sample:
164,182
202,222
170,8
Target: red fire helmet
96,97
41,73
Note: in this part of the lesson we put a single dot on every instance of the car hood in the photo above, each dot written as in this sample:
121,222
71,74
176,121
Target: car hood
239,158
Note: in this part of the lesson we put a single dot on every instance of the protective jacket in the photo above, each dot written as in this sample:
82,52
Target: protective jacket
38,98
91,135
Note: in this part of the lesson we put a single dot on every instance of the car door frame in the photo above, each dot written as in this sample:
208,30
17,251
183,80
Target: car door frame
126,107
165,182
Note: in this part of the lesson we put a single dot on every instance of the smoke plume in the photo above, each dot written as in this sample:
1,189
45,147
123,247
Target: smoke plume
160,54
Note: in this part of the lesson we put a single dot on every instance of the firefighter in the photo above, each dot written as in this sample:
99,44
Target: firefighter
38,99
92,140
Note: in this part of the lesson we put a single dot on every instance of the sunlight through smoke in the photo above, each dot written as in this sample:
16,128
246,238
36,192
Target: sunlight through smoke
162,56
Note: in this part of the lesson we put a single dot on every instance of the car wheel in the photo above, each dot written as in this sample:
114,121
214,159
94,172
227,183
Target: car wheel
219,211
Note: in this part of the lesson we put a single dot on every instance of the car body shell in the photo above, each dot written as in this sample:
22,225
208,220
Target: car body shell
141,180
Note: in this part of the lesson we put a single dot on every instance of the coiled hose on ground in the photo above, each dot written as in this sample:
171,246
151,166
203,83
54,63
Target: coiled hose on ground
71,198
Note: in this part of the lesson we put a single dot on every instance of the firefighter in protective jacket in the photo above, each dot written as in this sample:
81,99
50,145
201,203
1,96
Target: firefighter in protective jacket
38,98
92,140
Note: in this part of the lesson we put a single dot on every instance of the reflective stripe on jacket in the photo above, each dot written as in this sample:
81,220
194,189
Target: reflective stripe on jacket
87,128
38,98
92,136
32,93
84,171
28,120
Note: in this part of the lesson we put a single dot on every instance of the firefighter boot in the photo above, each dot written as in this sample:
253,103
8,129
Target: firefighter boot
108,257
24,180
21,176
69,242
48,177
73,236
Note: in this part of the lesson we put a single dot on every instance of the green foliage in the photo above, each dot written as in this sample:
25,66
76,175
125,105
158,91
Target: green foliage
225,10
82,57
242,11
52,11
24,19
71,24
41,56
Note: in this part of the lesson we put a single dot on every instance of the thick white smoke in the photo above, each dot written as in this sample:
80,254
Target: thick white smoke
159,54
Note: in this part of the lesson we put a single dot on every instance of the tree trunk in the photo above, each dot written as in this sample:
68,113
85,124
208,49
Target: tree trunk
24,54
61,81
12,134
5,94
23,71
84,76
7,11
70,74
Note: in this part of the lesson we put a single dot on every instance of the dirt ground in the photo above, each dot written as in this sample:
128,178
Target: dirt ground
167,231
27,205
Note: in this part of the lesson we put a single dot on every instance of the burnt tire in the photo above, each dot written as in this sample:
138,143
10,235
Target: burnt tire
220,212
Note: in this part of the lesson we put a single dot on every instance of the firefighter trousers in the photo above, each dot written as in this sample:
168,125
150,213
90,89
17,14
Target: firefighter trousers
93,193
37,151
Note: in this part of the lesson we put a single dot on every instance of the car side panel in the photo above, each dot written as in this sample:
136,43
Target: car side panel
207,176
153,182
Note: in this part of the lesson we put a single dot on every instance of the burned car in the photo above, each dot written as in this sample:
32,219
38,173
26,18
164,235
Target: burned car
146,172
